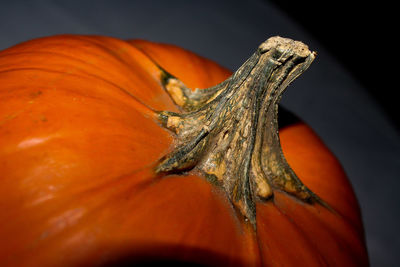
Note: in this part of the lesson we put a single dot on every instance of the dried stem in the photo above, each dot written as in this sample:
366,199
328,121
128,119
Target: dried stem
230,131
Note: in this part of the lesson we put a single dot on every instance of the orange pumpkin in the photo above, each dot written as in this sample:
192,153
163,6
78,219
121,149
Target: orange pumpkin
80,142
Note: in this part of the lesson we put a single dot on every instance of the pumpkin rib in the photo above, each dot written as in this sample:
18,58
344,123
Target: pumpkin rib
100,44
143,106
96,42
107,50
333,231
121,178
313,225
314,247
128,61
61,55
286,244
261,256
116,180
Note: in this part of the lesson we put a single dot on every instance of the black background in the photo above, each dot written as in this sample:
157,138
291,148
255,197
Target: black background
362,38
347,95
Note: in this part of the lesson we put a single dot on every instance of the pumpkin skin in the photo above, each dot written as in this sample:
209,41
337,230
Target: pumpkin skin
78,145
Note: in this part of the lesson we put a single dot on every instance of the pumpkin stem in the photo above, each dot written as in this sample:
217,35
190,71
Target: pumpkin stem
229,132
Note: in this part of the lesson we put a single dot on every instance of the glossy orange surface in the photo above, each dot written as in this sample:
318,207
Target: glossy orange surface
78,144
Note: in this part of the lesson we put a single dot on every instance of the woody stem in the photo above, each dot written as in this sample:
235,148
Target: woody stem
230,132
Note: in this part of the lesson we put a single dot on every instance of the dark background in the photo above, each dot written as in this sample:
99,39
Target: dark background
361,37
347,95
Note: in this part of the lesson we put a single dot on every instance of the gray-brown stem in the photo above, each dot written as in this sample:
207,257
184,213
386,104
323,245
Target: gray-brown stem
230,132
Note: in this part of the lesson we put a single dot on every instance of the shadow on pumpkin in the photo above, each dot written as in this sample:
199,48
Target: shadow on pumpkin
169,255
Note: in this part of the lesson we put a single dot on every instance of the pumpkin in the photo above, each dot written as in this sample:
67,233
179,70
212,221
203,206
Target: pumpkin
109,156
